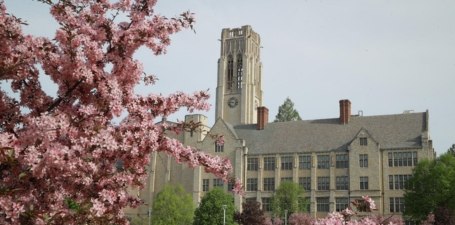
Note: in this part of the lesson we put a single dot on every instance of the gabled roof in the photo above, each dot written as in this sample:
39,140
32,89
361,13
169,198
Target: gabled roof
390,131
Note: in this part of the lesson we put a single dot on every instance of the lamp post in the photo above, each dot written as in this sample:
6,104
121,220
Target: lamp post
224,214
285,217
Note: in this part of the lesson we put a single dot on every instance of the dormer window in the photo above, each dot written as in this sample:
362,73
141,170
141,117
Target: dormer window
363,141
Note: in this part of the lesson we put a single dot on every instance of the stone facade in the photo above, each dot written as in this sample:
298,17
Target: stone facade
336,160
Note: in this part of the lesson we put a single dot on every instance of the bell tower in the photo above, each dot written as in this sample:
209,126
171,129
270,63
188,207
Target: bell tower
239,85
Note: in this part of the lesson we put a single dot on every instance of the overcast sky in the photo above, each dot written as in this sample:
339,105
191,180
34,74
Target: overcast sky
384,56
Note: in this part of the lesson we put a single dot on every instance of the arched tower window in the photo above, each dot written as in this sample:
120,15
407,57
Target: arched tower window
239,71
230,72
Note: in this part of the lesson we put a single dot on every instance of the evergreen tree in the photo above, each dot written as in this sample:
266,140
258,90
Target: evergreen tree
286,112
451,150
210,210
172,207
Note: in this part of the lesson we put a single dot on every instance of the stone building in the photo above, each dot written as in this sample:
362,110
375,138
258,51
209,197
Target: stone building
336,160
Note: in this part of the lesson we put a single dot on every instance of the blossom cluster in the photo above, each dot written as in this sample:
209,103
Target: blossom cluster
58,155
343,218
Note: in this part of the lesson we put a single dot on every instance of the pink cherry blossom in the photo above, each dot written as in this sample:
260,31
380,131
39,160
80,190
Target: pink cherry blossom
59,155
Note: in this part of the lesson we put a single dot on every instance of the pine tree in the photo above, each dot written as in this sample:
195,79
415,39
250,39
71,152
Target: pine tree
286,112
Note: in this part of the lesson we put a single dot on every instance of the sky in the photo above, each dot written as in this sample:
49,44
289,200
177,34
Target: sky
384,56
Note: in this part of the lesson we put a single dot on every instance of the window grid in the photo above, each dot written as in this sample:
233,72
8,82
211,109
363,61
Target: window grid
266,204
363,141
252,164
323,161
323,183
286,163
269,184
322,204
304,162
396,204
341,204
398,159
252,184
269,163
305,182
205,184
342,161
219,148
218,183
342,183
363,160
283,179
363,183
400,181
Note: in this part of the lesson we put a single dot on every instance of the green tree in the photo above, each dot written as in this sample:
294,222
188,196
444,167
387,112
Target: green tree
289,196
172,206
210,210
451,150
286,112
431,187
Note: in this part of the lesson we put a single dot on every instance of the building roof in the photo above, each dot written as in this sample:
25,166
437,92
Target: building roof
390,131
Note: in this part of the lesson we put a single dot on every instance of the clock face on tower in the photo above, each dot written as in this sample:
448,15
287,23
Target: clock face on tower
232,102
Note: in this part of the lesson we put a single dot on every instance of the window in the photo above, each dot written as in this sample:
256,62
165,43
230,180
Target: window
322,204
341,204
269,163
231,185
205,185
252,164
269,184
218,183
266,204
230,72
363,183
402,159
363,141
323,183
323,161
239,71
342,183
219,148
305,182
390,160
247,200
342,161
396,204
363,160
304,162
286,179
252,184
286,163
400,180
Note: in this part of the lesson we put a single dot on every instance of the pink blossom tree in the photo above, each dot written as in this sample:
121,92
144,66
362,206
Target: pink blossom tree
301,219
58,154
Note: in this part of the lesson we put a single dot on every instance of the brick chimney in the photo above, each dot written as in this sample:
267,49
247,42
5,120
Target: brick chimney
263,117
345,111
